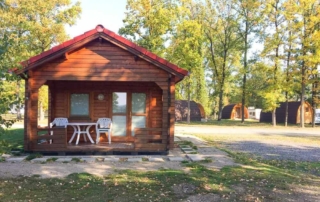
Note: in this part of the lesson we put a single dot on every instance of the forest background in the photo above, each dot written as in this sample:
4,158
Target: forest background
215,40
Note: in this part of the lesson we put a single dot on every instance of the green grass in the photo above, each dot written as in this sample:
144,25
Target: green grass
33,156
14,138
237,122
77,160
53,159
256,179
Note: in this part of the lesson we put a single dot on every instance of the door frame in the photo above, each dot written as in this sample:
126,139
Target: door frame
128,137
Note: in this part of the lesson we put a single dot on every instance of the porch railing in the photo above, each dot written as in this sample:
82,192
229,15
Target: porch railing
44,141
150,139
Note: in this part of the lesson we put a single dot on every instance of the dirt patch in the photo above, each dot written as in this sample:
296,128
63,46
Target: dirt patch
60,170
203,198
184,189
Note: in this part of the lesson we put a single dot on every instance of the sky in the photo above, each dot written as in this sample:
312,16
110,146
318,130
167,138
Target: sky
108,13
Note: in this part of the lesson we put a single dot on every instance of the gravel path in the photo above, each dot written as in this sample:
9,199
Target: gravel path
269,143
275,150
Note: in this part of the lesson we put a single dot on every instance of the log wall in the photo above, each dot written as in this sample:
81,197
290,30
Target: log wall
101,67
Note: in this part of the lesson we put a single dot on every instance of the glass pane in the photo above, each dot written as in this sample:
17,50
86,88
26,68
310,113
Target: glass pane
80,104
119,102
138,103
138,122
119,125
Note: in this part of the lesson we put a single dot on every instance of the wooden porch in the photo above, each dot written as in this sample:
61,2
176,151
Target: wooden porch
144,141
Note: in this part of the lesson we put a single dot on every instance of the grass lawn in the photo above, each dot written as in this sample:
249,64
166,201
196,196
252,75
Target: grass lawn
14,138
237,122
255,181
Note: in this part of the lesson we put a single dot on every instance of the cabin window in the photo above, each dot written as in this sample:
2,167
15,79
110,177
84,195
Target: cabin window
79,104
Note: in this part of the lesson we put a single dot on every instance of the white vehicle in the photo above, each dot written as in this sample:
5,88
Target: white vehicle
317,116
14,109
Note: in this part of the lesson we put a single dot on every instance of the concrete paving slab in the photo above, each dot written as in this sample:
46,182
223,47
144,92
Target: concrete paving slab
6,155
18,159
191,152
155,159
39,160
114,159
176,152
176,158
195,157
63,159
187,149
89,159
134,159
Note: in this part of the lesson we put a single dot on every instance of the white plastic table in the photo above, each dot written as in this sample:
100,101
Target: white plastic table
85,130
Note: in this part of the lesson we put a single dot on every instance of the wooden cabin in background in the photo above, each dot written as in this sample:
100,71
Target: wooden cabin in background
293,113
181,111
234,111
101,74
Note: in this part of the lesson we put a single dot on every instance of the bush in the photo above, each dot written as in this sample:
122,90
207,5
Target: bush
33,156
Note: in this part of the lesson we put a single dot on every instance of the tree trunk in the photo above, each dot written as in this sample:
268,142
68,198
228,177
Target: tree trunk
274,122
18,107
188,114
243,100
303,88
313,104
220,104
286,111
287,82
19,116
41,112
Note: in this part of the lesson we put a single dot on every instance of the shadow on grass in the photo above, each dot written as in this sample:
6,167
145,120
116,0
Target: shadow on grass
256,181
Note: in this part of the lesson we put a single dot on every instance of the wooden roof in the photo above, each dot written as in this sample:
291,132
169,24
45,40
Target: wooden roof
229,111
102,33
226,111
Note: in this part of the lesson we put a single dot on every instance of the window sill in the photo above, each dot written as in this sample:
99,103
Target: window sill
87,118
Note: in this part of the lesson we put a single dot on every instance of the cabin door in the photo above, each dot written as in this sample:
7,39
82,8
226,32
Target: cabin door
128,113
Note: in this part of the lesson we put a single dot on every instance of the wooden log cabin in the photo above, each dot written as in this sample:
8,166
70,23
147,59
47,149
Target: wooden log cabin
294,109
101,74
234,111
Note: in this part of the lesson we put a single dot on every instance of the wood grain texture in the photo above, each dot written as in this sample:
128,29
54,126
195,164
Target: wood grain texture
102,69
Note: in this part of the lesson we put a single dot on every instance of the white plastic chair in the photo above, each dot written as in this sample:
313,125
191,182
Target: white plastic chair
103,125
60,122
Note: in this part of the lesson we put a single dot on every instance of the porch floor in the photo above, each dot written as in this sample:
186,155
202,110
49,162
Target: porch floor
102,146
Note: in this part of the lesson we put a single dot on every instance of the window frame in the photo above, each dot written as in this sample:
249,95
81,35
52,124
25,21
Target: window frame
89,105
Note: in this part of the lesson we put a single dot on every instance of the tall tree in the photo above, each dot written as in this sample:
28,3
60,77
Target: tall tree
249,18
186,50
306,17
273,42
220,29
148,23
31,27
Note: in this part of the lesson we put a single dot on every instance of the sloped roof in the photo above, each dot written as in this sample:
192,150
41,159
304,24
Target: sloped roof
227,110
181,110
101,32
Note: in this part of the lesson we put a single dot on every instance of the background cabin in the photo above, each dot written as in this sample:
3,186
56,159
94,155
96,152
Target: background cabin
181,111
254,113
234,111
101,74
293,113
